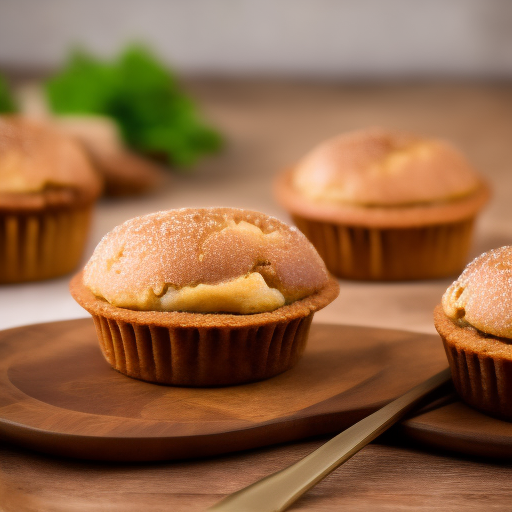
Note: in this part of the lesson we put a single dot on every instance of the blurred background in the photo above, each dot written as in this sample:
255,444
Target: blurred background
338,39
274,78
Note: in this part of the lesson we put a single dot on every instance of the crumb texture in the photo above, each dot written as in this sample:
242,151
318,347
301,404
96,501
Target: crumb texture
482,295
204,260
377,167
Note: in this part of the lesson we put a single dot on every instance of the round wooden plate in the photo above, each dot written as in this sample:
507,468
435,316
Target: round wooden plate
59,396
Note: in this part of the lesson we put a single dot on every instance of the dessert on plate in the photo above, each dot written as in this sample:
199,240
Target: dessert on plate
385,205
475,323
203,297
47,192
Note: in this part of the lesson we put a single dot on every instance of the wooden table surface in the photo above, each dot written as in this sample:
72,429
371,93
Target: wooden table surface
379,478
268,126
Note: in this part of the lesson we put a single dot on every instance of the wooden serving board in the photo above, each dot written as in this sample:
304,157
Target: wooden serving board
59,396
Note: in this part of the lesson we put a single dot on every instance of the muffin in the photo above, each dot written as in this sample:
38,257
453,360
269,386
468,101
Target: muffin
475,323
124,172
47,192
203,297
385,205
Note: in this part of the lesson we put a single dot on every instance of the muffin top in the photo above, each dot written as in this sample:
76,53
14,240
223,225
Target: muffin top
41,167
377,167
204,260
482,295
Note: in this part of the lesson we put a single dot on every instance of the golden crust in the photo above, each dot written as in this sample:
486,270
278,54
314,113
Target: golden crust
482,295
377,167
146,256
41,168
172,319
469,339
380,217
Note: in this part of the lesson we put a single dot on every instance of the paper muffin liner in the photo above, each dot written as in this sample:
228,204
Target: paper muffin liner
42,245
202,349
422,252
202,356
481,379
483,382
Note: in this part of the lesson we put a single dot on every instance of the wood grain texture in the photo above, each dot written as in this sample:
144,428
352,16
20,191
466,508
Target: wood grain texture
379,478
452,425
59,396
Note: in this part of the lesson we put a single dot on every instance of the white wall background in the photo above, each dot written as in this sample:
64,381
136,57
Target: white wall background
334,38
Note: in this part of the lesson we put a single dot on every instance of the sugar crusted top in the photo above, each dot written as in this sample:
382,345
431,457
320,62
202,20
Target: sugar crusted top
155,262
35,159
377,167
482,295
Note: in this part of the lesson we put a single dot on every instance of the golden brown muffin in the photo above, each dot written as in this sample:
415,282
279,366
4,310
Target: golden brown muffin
47,191
475,323
203,297
124,172
385,205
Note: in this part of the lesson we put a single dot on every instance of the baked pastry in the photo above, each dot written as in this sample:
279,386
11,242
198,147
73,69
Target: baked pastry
203,297
385,205
47,192
475,323
124,172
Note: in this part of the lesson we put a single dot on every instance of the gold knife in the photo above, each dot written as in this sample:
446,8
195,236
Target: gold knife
278,491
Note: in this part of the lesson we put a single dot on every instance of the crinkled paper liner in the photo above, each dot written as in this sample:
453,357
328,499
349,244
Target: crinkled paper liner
482,380
202,356
422,252
41,245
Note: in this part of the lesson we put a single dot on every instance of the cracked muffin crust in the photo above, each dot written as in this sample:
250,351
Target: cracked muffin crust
241,286
383,204
203,260
47,191
474,320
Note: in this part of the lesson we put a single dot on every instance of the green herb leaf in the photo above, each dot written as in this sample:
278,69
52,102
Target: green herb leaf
7,103
154,115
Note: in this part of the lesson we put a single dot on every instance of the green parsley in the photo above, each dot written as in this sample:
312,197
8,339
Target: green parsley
154,115
7,103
